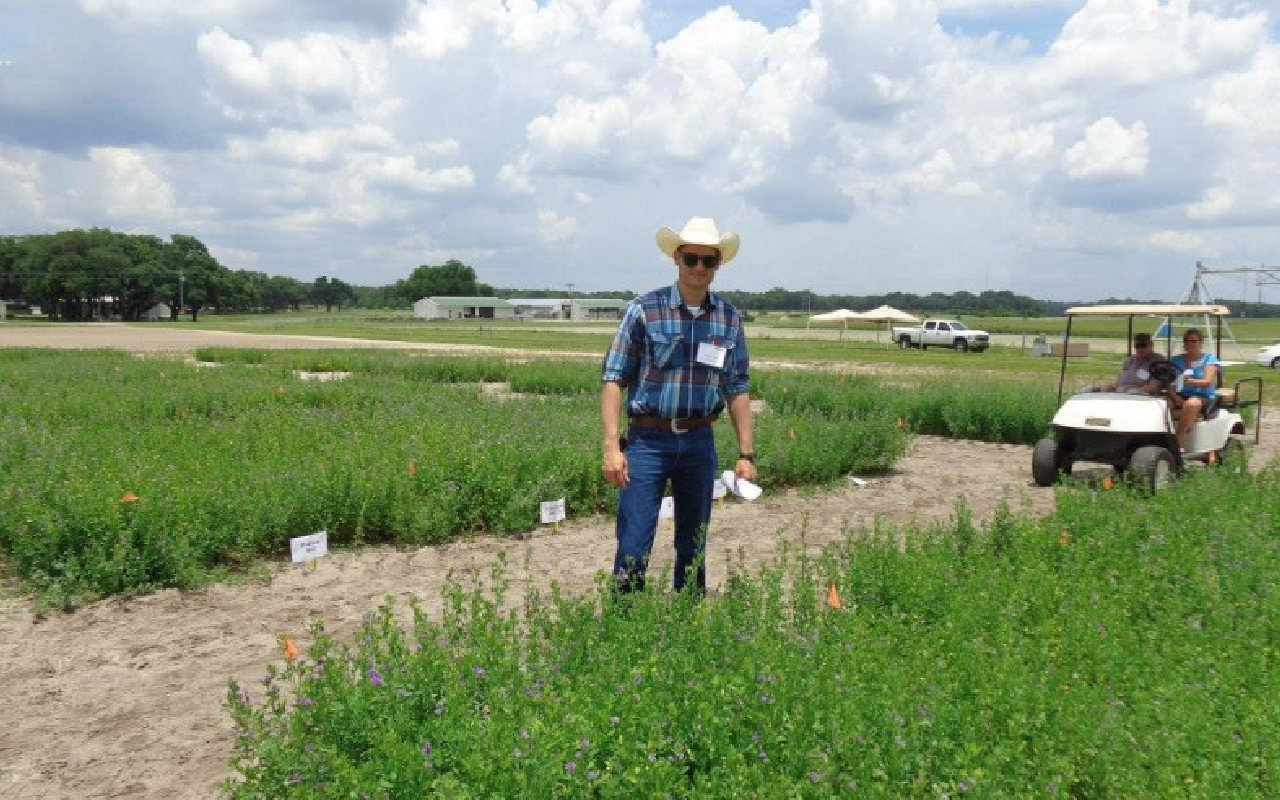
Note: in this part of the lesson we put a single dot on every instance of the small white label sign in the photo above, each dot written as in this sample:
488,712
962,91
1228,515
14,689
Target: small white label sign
668,508
309,548
552,511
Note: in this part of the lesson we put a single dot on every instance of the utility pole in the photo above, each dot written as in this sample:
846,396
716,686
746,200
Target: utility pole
182,279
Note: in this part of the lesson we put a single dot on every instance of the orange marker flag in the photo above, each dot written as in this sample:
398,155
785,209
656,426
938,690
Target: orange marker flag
129,497
833,596
413,468
290,649
1107,483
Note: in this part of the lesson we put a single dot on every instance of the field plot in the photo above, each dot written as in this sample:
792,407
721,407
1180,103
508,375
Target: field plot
123,697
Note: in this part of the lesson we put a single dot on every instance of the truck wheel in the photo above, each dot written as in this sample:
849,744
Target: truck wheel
1047,460
904,342
1151,467
1275,363
960,345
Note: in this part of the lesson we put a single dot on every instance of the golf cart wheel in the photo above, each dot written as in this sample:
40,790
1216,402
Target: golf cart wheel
1234,457
960,345
1151,467
1047,460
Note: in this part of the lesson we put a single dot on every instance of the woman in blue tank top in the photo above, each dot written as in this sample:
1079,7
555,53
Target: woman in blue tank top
1197,383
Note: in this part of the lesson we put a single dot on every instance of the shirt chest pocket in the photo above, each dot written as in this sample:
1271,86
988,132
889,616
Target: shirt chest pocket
666,348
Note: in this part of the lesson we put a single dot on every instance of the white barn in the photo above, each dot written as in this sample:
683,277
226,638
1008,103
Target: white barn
541,307
463,308
577,309
588,308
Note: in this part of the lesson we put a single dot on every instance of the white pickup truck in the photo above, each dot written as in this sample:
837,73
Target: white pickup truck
942,333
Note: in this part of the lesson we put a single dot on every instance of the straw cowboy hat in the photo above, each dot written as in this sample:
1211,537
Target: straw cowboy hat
703,231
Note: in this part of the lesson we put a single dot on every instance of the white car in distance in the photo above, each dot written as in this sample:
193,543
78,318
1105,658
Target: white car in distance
1269,356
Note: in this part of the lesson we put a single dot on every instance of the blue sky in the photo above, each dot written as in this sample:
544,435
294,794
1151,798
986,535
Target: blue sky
1058,148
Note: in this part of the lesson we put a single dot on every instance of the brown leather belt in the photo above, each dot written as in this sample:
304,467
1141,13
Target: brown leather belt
674,425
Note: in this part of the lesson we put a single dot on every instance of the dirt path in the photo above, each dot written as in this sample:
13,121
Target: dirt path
122,699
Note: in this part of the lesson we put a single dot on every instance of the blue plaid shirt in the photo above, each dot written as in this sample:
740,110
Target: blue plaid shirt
655,356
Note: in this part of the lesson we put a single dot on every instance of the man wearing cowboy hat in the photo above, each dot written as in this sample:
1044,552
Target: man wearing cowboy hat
681,354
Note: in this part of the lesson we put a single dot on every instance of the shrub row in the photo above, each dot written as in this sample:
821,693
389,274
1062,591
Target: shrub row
1123,647
121,474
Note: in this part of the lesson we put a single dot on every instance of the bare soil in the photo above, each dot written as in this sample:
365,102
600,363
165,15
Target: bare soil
123,698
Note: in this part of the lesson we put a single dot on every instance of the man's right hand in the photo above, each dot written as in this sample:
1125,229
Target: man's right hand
615,468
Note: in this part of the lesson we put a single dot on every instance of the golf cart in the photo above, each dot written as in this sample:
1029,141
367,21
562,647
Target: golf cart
1133,432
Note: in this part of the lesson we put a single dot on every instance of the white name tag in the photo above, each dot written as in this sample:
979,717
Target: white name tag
1143,374
711,355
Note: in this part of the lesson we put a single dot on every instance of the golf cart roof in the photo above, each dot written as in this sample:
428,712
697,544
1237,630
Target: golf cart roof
1148,308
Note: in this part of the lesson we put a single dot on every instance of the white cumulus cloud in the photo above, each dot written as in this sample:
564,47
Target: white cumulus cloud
131,189
1109,150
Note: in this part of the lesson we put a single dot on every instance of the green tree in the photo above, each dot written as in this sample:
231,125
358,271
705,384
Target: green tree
330,292
451,279
201,279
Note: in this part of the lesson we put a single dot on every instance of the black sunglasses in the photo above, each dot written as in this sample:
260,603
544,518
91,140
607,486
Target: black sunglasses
692,259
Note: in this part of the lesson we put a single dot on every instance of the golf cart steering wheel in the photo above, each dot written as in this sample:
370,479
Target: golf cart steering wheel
1163,370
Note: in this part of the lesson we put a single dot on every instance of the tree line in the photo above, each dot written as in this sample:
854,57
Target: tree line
83,274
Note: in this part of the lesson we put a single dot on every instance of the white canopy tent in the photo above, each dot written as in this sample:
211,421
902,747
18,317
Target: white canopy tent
888,315
840,315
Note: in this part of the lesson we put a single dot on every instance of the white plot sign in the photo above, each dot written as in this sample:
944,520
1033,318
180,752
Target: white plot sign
310,547
552,511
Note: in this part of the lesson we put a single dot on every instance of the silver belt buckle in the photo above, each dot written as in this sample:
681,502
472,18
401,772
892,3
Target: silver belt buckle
674,428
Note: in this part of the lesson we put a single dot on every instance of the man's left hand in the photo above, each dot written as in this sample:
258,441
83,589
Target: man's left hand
745,470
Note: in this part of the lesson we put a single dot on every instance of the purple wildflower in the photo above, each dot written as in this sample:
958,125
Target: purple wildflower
427,749
375,677
570,767
306,702
478,672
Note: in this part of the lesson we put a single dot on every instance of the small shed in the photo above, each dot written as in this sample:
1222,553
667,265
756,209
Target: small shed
157,312
463,308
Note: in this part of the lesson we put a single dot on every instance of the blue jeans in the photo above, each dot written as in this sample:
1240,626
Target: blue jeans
653,456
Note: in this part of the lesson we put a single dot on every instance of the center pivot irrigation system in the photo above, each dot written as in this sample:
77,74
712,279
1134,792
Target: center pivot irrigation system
1199,294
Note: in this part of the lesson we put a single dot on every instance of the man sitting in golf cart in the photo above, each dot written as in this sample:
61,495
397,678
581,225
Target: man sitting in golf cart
1135,374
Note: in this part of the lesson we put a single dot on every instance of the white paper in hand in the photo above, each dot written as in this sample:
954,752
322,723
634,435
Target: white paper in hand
729,480
718,489
740,486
